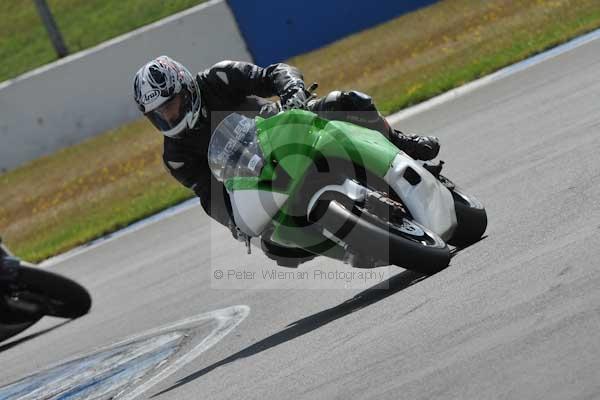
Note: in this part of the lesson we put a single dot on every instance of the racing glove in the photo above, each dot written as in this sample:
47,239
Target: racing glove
294,97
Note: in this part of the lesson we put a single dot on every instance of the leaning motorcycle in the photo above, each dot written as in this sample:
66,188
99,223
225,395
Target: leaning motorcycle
28,293
308,186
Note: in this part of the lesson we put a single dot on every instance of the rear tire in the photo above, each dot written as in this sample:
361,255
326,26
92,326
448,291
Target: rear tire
12,323
55,295
408,245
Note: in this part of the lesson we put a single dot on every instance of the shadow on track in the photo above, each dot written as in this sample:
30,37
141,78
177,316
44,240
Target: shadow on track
308,324
457,250
27,338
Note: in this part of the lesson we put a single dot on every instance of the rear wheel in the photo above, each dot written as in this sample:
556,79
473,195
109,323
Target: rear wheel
394,240
39,292
13,321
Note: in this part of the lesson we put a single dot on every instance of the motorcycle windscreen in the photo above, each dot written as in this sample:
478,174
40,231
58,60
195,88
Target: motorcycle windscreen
233,150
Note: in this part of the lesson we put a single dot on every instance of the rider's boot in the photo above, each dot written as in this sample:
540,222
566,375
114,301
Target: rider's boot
418,147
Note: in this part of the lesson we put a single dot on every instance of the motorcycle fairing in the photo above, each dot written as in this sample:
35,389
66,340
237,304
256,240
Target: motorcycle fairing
428,200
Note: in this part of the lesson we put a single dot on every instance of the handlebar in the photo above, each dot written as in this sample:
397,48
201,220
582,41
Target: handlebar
311,95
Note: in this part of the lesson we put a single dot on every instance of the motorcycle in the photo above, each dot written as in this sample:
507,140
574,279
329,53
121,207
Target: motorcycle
307,186
28,293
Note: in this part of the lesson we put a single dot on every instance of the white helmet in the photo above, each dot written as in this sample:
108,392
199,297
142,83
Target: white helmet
168,95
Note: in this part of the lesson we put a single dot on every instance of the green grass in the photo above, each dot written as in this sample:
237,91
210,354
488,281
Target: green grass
24,43
114,179
81,192
487,60
423,54
99,220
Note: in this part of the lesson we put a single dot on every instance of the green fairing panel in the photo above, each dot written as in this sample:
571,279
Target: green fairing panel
365,147
289,138
297,137
287,134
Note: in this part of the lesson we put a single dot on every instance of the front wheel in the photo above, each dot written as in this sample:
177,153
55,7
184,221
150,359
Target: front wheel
471,219
404,243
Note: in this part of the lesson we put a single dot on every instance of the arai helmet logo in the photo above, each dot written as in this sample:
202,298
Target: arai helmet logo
148,97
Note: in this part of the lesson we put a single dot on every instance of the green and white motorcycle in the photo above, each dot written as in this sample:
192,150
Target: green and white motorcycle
307,186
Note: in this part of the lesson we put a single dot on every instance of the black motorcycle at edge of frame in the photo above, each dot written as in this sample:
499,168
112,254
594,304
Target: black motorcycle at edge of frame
27,293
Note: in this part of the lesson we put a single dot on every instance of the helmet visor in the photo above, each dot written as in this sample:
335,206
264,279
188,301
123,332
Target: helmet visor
171,113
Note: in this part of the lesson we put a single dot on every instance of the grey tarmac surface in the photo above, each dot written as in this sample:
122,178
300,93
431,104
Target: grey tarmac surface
515,316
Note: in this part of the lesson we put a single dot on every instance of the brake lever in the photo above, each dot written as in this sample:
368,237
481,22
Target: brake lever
312,87
312,95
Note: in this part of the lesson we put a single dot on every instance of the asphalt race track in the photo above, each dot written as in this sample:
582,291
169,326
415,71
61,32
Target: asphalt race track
516,316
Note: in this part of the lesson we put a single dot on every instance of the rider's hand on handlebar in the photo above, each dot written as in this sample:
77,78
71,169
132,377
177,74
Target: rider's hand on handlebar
294,98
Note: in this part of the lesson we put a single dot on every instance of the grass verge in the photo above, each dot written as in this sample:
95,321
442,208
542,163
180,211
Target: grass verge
24,43
112,180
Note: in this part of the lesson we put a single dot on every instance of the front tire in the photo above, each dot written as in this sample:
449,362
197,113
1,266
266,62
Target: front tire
406,244
471,219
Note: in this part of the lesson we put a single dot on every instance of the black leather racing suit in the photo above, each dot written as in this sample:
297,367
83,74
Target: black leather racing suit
242,87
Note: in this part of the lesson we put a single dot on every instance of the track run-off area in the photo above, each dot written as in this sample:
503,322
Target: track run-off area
516,315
